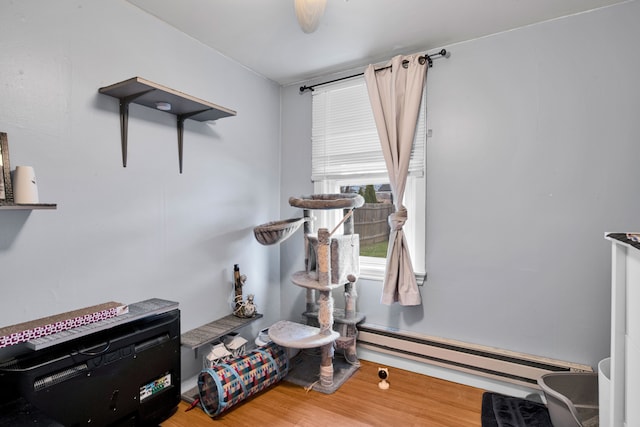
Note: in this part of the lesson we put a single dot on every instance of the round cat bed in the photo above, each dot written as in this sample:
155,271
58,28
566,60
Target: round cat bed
277,231
328,201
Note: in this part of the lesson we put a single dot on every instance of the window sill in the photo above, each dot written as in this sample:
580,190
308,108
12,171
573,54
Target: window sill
376,272
372,272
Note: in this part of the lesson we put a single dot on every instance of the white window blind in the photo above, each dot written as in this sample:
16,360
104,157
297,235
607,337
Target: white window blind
344,138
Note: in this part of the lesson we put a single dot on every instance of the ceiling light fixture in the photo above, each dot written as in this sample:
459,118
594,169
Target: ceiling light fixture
309,13
164,106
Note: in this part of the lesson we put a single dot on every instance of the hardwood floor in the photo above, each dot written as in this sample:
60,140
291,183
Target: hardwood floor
411,400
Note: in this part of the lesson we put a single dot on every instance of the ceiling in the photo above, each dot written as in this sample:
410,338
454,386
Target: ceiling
264,36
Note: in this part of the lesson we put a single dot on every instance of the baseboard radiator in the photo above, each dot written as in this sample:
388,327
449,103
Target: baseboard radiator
504,365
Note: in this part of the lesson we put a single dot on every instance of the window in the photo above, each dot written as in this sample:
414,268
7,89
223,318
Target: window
347,157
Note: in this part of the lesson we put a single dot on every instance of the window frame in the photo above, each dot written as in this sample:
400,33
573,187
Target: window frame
373,268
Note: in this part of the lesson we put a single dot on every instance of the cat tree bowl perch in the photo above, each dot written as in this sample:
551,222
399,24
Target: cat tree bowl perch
277,231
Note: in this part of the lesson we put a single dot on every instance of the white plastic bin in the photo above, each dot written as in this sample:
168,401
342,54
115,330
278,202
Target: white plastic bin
604,391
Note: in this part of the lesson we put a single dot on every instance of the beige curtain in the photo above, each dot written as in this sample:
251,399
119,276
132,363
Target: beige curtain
395,94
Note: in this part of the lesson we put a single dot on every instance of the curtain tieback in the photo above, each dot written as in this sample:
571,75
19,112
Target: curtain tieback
397,219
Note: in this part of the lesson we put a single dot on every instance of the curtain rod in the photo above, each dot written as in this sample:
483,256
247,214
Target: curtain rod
429,58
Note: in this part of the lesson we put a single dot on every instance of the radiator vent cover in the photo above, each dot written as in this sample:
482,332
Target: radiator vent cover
495,363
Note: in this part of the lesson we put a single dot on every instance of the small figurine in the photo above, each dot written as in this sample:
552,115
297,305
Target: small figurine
242,308
249,308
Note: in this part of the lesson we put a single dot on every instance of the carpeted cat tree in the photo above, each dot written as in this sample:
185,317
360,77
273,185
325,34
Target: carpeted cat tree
331,262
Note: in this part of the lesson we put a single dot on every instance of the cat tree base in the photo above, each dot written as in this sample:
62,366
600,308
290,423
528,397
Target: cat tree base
303,371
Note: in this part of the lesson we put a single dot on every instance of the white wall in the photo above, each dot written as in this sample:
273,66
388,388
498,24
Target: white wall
144,231
533,158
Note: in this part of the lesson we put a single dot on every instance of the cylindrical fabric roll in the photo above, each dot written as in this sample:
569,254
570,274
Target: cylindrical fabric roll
25,188
227,384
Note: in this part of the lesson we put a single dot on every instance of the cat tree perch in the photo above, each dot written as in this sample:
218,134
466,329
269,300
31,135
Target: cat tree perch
331,262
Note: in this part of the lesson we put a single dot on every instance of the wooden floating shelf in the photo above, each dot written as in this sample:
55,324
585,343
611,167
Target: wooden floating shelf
205,334
212,331
152,95
28,207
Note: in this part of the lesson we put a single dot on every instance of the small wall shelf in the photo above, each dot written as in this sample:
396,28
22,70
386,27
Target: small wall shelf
143,92
28,207
205,334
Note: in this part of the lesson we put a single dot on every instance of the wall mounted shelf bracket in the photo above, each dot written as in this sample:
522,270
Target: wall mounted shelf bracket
124,121
152,95
181,119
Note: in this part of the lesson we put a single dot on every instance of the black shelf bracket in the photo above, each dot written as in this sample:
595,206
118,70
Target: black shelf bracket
181,119
124,121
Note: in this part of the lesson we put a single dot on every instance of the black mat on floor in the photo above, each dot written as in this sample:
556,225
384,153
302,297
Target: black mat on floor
499,410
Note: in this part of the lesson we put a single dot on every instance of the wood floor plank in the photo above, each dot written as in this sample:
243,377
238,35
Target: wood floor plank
411,400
